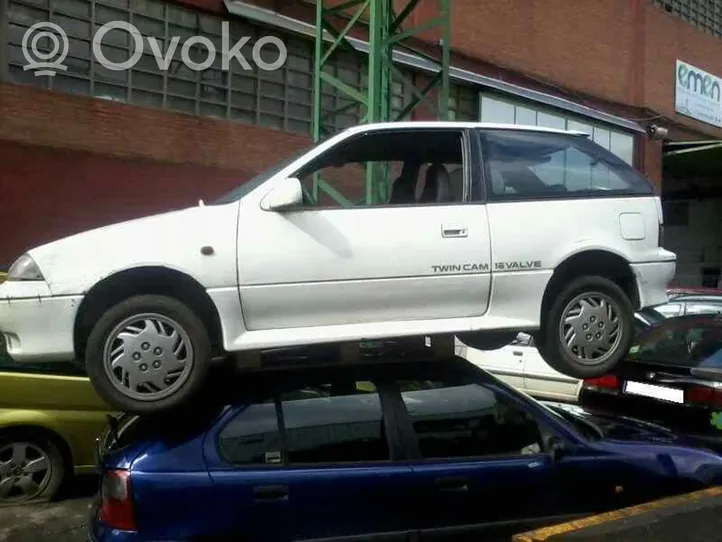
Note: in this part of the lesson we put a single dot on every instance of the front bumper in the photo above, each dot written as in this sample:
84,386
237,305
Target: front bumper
653,279
36,325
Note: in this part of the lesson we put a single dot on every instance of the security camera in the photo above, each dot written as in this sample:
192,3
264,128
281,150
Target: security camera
657,132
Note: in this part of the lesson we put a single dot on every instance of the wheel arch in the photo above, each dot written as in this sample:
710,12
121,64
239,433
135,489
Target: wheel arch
599,262
44,432
145,280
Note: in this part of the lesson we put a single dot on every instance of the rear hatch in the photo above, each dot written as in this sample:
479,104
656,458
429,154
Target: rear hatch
125,438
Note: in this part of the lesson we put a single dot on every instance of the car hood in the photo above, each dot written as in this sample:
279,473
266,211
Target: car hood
73,264
621,428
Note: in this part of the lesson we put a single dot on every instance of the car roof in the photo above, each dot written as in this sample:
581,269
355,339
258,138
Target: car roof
707,298
421,125
237,389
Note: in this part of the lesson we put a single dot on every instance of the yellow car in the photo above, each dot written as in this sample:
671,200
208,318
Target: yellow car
50,417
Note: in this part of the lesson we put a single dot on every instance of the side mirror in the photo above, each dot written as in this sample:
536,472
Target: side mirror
288,194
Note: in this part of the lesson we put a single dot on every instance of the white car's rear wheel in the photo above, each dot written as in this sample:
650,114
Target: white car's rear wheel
148,354
589,328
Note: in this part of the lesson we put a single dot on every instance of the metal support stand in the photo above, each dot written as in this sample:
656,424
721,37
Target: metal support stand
387,32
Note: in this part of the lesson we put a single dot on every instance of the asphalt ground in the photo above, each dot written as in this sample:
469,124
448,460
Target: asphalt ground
62,521
696,517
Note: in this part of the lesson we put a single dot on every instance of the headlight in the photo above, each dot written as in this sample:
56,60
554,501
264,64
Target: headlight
25,268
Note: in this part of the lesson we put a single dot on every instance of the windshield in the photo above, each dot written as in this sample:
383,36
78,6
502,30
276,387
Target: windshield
245,188
687,341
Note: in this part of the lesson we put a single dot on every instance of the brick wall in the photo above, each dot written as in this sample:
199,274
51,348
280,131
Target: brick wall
49,193
70,158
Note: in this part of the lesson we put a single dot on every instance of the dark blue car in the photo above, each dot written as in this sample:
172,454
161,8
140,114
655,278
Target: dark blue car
409,449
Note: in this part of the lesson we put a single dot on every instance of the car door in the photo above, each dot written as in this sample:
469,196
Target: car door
413,255
506,363
313,463
540,380
478,459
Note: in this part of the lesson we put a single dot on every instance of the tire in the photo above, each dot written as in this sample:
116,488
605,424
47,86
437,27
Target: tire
615,334
486,340
148,351
32,468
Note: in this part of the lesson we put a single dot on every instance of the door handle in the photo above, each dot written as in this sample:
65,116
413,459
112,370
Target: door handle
452,484
270,493
453,231
517,353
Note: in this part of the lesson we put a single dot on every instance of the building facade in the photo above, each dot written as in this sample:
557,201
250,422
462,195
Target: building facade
89,146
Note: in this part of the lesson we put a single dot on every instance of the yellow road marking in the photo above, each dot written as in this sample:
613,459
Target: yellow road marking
547,532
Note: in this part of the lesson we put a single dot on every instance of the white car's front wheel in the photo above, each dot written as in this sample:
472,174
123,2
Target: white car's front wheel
148,354
588,329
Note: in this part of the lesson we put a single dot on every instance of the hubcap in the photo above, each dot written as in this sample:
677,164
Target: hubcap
591,328
25,470
148,357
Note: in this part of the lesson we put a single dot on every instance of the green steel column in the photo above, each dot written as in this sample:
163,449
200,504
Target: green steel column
387,32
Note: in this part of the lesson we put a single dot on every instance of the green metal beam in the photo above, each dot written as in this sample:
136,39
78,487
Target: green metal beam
387,32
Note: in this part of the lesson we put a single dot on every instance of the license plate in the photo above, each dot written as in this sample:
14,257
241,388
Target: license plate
673,395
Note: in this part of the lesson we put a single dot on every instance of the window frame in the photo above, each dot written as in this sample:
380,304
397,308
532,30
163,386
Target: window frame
482,134
468,153
393,439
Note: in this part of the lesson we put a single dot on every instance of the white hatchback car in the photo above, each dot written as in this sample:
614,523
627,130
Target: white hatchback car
487,230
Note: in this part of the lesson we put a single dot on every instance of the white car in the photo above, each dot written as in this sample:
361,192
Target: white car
520,364
487,230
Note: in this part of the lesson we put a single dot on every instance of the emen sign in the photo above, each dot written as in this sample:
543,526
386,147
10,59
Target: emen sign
698,94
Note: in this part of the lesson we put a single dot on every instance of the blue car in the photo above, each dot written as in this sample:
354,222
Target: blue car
379,450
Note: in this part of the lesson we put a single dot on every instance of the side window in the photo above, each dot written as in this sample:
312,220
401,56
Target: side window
414,167
339,422
253,436
462,419
538,164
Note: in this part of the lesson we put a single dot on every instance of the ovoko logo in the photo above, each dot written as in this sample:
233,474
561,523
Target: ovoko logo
702,84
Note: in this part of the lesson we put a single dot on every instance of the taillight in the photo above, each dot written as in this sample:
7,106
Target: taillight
116,501
606,382
702,395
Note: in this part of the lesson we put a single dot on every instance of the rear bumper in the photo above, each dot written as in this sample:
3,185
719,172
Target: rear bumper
97,532
652,281
37,326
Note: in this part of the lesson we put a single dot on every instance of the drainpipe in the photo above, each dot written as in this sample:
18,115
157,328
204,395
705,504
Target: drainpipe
4,33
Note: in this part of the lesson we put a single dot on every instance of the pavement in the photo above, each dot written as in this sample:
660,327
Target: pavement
695,517
61,521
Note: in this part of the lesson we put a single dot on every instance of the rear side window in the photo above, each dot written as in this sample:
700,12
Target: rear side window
521,164
332,422
253,436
